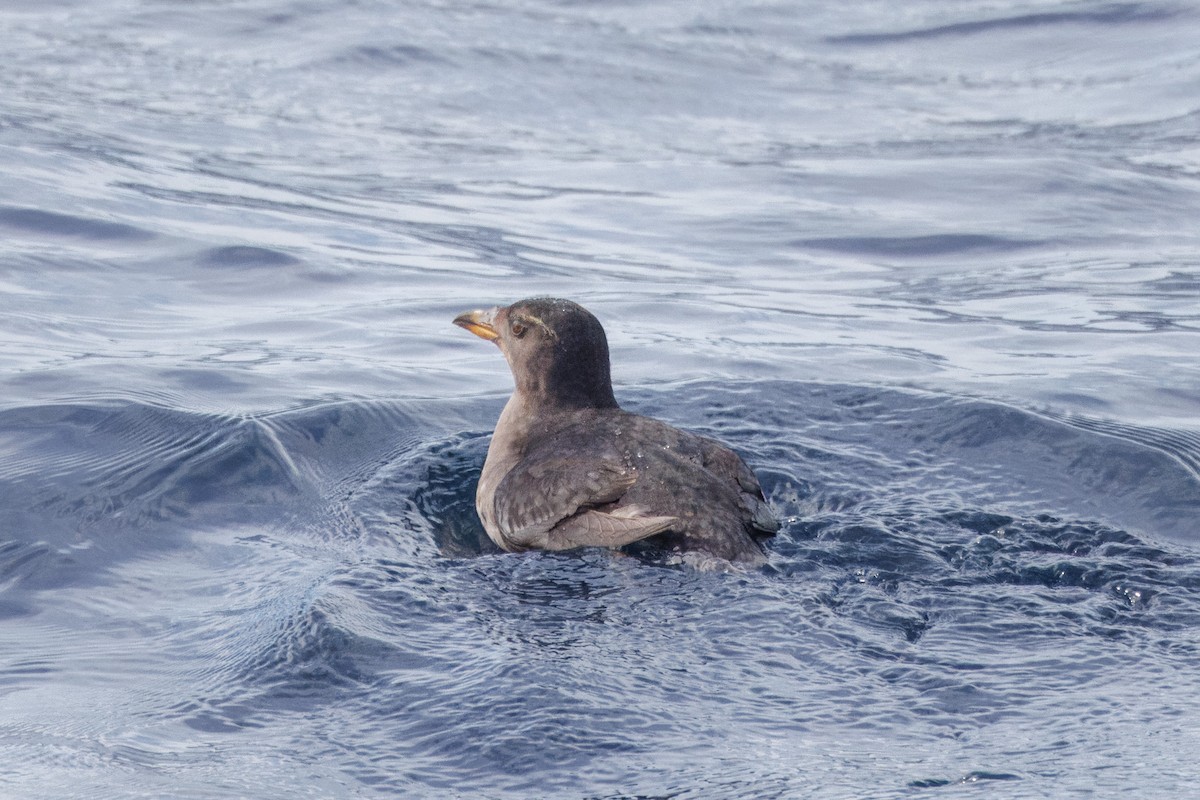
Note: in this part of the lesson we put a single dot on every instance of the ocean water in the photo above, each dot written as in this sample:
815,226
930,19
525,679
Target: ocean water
933,268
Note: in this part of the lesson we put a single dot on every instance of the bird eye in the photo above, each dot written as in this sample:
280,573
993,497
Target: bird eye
517,328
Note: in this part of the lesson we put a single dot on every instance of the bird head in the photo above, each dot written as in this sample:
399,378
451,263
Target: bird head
556,350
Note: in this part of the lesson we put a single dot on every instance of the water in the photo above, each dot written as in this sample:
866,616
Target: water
931,267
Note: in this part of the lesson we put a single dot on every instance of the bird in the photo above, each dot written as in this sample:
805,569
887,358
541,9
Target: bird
567,467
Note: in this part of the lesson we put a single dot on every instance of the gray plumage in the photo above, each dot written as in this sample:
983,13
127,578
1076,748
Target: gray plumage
567,467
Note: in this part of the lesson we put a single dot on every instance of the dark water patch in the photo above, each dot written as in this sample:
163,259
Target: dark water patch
891,500
37,223
219,717
238,269
112,481
1177,283
388,56
11,606
445,494
496,248
352,588
535,616
146,462
429,492
710,29
299,640
1182,445
347,442
315,658
18,561
997,455
892,567
21,669
212,381
1112,14
126,478
1064,554
969,778
314,654
918,246
240,257
386,472
140,463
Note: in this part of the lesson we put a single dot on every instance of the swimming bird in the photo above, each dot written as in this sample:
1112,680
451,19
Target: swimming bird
567,467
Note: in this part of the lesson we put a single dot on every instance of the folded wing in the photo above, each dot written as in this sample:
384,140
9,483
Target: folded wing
563,503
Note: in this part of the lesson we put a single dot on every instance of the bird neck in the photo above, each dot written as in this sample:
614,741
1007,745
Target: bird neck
540,400
566,384
520,422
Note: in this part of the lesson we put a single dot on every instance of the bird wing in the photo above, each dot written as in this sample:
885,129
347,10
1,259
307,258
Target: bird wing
722,461
549,504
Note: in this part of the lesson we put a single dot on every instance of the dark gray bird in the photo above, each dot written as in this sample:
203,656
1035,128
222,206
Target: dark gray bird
568,468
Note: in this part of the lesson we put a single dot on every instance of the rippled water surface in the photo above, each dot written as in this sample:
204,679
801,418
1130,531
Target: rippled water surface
931,267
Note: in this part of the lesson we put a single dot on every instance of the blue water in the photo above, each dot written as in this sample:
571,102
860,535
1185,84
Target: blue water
932,268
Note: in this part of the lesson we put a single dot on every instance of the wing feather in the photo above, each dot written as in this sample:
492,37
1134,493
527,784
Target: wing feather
549,504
